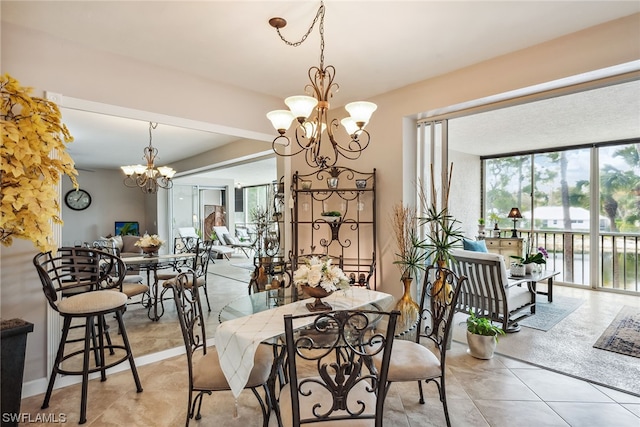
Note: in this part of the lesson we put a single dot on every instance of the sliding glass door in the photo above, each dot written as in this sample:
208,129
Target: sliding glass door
198,207
586,217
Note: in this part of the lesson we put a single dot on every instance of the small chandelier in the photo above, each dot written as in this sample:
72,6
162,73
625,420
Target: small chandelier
311,113
148,177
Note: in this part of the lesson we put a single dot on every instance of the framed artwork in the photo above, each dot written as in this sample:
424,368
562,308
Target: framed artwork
214,216
127,228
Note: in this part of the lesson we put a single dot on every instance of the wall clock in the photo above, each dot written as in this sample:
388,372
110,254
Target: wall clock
77,200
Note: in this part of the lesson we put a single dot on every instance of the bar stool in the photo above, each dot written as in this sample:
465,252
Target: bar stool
77,283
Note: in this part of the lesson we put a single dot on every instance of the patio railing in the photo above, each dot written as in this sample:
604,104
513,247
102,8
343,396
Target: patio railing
570,253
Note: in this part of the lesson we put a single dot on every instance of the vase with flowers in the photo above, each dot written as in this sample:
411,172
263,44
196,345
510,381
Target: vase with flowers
318,278
531,260
410,259
150,244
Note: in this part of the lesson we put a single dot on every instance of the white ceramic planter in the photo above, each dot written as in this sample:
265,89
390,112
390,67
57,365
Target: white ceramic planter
517,270
481,346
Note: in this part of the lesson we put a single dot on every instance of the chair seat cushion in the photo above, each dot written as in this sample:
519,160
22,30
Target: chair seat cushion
319,394
92,302
188,284
518,296
167,276
207,373
410,361
133,289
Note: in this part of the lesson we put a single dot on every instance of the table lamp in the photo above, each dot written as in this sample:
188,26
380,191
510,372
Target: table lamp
514,213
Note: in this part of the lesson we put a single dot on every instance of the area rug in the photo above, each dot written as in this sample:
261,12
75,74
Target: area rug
549,314
623,334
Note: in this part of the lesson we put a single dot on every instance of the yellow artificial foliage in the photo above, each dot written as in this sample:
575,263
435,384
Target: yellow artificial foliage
33,157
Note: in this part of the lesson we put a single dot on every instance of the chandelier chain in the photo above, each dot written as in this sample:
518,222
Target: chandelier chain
151,127
319,15
311,113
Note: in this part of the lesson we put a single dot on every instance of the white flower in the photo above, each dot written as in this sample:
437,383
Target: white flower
147,240
317,272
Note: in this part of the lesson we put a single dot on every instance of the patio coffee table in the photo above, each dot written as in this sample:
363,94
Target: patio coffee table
534,278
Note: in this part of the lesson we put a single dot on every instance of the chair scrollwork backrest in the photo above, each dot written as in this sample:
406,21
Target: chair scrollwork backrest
337,347
183,244
106,245
201,260
189,309
438,298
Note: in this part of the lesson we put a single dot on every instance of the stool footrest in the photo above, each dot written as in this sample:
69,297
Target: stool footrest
97,368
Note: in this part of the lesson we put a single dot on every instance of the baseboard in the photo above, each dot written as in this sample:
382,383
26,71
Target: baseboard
39,386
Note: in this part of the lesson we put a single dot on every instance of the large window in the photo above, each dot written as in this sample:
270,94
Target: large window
568,215
255,197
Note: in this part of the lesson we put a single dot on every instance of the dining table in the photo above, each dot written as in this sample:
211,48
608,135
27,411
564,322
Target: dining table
259,318
153,263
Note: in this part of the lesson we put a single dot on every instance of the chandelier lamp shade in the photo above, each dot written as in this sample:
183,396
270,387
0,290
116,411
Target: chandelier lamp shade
515,215
310,113
148,178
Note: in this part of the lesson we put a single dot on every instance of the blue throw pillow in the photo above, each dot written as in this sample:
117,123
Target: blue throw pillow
474,245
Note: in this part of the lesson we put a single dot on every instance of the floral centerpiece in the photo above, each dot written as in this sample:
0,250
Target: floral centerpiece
539,257
319,278
149,243
528,262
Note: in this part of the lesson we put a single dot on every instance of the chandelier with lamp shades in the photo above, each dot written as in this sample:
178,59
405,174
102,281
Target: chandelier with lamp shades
311,113
148,178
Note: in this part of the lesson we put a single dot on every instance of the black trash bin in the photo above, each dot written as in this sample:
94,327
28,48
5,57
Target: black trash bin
13,343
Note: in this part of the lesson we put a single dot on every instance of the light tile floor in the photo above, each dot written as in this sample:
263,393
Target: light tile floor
497,392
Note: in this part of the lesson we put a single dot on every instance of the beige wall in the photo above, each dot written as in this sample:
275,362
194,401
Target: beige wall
72,70
57,66
599,47
110,201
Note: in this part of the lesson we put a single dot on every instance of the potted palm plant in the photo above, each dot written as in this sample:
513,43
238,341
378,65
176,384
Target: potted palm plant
443,235
482,336
443,232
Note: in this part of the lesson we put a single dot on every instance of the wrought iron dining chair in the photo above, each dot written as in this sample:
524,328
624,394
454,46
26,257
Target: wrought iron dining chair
331,377
77,282
181,245
205,374
132,284
200,268
413,361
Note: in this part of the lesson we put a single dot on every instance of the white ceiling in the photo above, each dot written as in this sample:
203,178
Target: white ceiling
376,46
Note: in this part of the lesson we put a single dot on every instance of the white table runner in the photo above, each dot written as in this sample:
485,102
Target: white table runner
237,340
